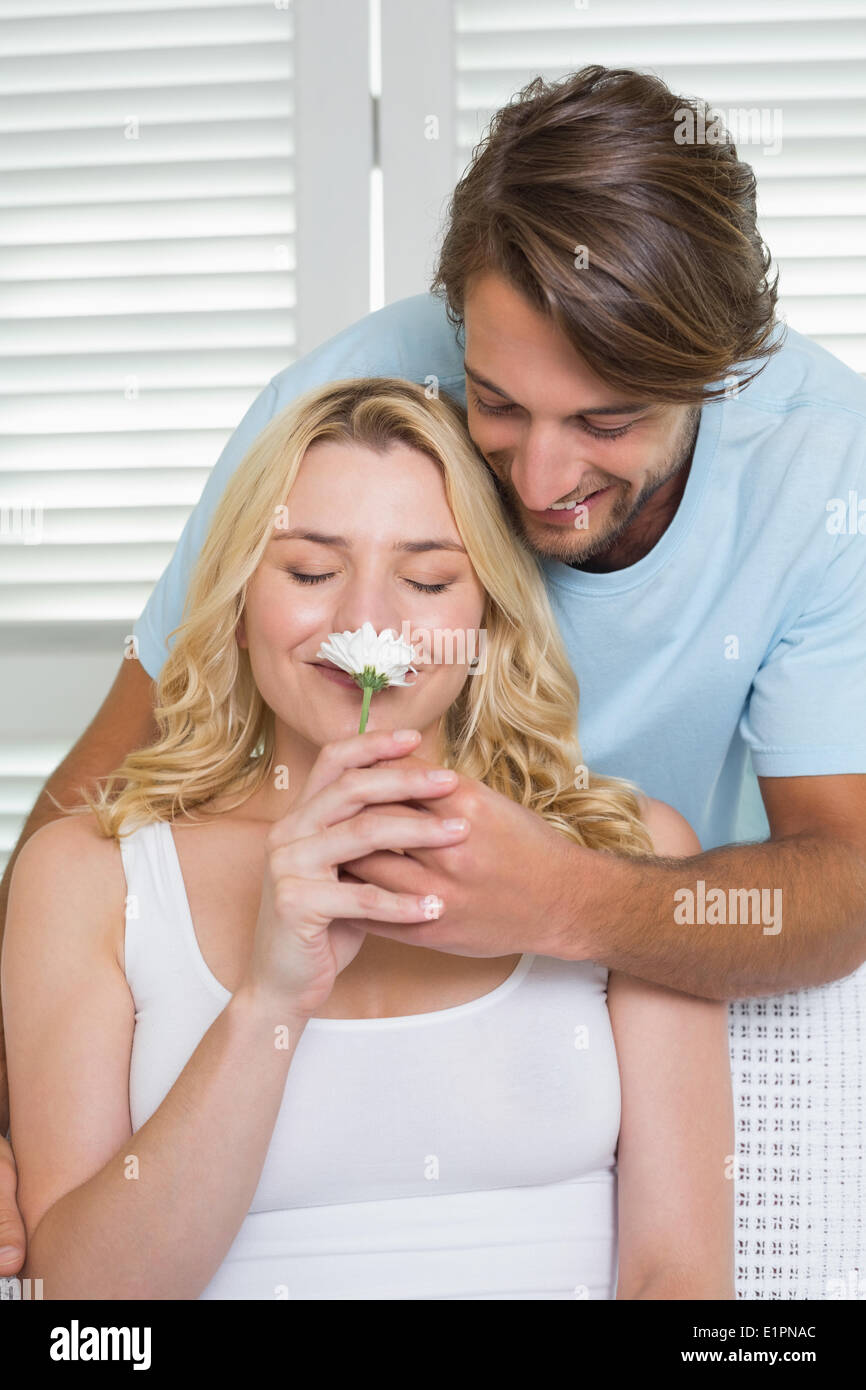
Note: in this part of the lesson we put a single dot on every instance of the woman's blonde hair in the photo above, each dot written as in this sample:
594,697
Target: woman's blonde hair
513,725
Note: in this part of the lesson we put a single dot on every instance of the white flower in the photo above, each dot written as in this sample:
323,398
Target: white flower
386,657
373,661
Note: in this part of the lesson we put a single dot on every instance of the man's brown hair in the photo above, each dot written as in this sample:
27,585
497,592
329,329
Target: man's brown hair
673,292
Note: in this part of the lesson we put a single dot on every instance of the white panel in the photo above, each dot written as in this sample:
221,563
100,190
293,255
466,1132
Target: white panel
152,410
479,16
116,332
145,294
417,138
97,259
126,31
133,221
127,487
332,166
112,452
190,141
151,371
72,603
154,106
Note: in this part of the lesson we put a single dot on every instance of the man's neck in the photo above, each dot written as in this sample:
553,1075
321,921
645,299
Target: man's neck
644,532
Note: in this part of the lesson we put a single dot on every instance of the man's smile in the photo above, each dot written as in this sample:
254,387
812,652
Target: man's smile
559,515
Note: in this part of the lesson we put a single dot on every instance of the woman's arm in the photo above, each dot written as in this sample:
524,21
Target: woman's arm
112,1214
109,1214
675,1155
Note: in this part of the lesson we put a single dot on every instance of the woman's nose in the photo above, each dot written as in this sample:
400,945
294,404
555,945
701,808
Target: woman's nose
366,606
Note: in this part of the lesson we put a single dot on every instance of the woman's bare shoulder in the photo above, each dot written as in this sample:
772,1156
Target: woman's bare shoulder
670,832
66,840
68,871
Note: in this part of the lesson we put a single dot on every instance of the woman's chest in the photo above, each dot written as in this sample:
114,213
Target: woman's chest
223,867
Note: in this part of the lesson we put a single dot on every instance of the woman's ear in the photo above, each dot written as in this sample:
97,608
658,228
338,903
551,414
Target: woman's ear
241,632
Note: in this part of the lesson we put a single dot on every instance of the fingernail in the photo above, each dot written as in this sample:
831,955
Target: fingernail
7,1251
406,735
456,823
431,906
441,774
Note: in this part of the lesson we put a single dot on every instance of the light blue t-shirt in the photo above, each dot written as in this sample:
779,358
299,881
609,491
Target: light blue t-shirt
737,646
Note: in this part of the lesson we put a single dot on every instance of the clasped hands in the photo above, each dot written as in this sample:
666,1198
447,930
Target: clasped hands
509,885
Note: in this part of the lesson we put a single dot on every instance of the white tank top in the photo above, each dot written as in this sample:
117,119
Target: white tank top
467,1153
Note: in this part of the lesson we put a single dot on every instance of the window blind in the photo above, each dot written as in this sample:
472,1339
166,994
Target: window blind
146,237
805,60
147,294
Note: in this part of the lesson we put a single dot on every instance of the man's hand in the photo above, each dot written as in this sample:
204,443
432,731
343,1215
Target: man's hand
516,884
506,887
12,1236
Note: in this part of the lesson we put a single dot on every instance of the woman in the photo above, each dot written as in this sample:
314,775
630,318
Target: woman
221,1086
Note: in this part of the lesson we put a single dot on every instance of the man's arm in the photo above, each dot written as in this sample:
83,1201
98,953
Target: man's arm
743,919
740,920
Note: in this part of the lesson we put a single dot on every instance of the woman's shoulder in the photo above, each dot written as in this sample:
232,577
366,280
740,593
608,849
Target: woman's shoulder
66,840
66,873
670,832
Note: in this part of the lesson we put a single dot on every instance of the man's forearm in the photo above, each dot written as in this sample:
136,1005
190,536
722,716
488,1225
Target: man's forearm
741,920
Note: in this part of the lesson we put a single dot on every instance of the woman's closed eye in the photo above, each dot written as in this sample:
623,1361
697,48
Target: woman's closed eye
303,578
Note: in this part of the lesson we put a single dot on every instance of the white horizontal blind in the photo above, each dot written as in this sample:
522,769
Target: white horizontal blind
807,60
147,291
147,294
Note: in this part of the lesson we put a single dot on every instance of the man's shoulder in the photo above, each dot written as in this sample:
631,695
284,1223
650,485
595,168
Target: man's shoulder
803,375
801,423
411,338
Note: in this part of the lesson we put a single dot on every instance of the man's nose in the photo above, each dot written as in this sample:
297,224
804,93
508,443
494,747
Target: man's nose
545,473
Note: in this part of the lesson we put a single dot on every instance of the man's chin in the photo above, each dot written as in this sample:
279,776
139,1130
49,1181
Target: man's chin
564,543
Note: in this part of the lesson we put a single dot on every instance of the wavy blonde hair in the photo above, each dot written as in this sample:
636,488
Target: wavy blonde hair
513,725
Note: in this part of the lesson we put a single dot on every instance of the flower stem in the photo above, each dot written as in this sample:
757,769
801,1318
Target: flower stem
365,707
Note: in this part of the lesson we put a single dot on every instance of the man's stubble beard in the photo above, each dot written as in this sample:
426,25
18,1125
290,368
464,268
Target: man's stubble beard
622,515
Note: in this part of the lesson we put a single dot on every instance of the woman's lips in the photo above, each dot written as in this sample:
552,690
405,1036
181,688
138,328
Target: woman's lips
565,516
333,673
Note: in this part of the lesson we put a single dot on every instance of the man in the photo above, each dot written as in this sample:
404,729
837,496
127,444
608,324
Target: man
684,471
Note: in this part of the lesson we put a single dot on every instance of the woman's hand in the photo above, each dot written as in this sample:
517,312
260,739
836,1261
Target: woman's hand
297,954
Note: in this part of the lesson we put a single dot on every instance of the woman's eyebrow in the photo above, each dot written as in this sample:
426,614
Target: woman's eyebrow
410,547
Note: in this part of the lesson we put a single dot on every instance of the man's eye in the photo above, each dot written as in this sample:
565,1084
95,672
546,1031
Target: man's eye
606,434
491,409
589,429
